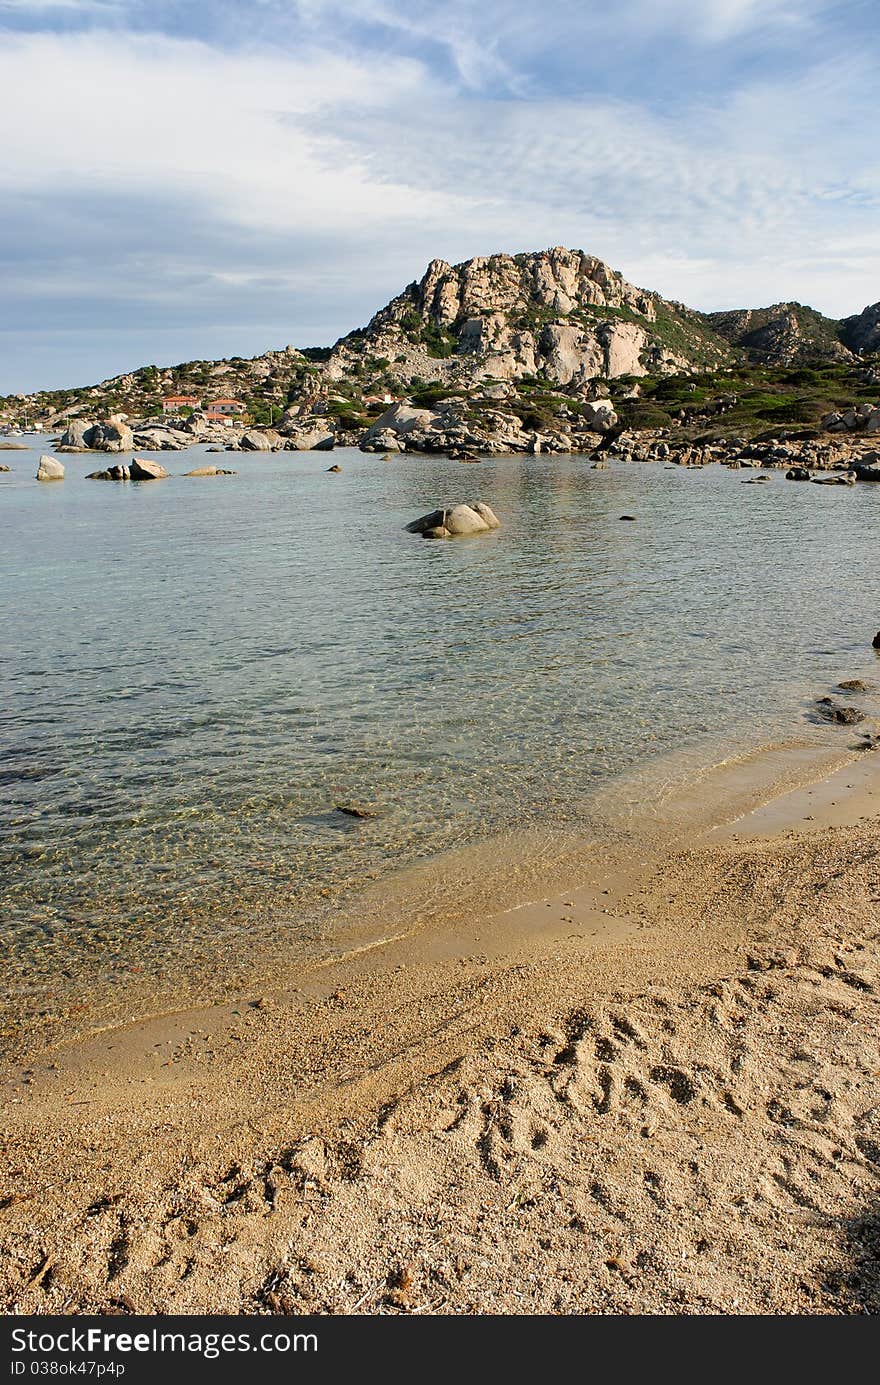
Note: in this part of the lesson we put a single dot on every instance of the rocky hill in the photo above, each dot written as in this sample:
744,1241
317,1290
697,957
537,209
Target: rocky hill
558,314
523,350
862,332
786,334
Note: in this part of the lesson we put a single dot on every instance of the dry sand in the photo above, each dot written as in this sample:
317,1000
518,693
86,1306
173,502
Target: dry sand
657,1092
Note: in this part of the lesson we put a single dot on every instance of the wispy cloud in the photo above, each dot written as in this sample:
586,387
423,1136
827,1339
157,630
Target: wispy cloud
263,173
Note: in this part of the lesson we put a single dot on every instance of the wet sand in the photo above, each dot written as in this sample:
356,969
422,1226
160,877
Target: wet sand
656,1090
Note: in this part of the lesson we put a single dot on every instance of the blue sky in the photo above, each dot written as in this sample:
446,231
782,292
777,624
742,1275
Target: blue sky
183,180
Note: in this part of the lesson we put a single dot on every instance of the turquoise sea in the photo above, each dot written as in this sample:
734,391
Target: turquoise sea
195,672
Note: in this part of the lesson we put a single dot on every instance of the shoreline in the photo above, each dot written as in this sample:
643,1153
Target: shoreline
503,885
343,1111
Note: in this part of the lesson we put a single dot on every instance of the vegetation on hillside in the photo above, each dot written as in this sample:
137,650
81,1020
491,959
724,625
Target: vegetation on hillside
747,400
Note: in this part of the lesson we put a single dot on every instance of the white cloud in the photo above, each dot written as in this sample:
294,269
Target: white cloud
715,21
109,111
42,8
177,178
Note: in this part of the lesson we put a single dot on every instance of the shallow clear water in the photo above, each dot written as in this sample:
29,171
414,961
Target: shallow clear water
196,671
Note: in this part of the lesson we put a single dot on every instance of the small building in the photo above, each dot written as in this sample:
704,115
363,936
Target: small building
175,402
215,416
226,407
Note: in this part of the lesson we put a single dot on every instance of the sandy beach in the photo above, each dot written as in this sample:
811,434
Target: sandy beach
655,1092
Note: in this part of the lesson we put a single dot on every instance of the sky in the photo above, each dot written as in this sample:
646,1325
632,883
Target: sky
184,180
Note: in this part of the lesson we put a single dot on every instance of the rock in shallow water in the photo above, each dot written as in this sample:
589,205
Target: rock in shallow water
829,710
457,521
50,469
143,470
839,478
117,472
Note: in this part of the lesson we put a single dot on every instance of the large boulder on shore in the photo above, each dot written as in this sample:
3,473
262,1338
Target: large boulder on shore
110,435
400,420
261,440
456,521
310,440
160,438
50,469
600,415
141,469
73,438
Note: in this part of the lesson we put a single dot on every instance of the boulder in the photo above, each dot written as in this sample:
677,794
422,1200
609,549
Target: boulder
840,478
261,440
111,435
162,439
385,442
486,514
50,469
112,473
74,436
143,470
830,710
209,471
431,525
397,422
599,415
457,521
462,519
310,440
798,473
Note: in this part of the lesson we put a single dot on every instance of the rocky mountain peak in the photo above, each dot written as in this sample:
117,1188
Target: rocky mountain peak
784,334
558,280
861,333
560,313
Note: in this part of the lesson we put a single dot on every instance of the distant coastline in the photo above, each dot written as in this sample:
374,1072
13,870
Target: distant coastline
544,352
